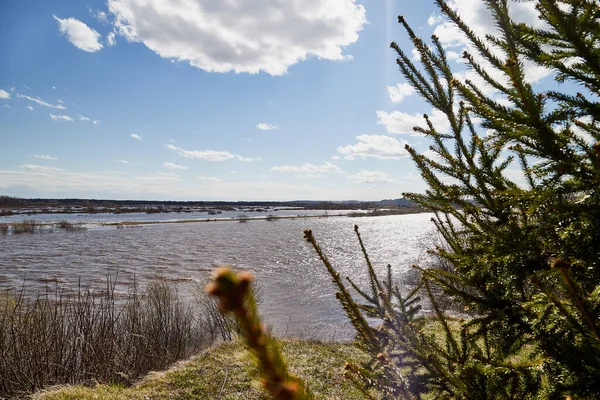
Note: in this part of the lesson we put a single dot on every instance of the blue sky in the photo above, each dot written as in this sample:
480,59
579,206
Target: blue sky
205,100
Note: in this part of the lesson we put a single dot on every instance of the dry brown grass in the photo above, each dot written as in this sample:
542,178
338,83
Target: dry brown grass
90,337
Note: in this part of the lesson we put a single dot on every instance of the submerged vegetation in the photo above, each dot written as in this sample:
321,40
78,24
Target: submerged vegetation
25,226
33,226
70,226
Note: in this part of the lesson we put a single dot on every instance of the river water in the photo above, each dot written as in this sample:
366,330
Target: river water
297,296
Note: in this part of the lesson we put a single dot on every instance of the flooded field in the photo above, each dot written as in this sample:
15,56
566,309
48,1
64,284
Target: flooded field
296,292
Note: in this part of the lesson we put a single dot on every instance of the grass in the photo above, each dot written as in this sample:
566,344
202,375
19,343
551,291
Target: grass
227,372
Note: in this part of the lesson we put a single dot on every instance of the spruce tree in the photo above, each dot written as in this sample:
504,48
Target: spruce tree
522,259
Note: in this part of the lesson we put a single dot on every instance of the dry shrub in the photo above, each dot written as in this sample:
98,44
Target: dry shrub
70,226
59,339
25,226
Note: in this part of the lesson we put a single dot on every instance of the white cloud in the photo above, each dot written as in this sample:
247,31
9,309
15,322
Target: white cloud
100,16
582,133
79,34
111,39
416,56
504,101
60,101
399,122
171,165
310,176
453,55
43,178
371,177
12,89
476,15
93,121
208,155
516,175
30,108
36,167
45,157
135,136
5,106
309,168
400,91
170,186
535,73
432,155
271,36
60,117
123,161
41,102
478,81
376,146
266,127
478,18
4,94
209,179
434,19
248,159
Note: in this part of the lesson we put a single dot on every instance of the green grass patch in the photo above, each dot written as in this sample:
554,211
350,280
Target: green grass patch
227,372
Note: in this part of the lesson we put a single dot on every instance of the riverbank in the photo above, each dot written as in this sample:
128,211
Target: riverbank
226,371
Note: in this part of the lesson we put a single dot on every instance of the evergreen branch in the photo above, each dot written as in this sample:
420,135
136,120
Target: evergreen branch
236,296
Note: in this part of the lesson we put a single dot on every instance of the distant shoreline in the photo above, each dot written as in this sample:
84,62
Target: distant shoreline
18,206
248,219
243,218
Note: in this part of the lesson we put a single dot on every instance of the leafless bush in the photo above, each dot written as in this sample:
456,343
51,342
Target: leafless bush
25,226
430,257
3,229
435,245
70,226
59,339
216,325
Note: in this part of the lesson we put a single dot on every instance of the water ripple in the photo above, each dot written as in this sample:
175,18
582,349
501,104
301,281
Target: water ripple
297,294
